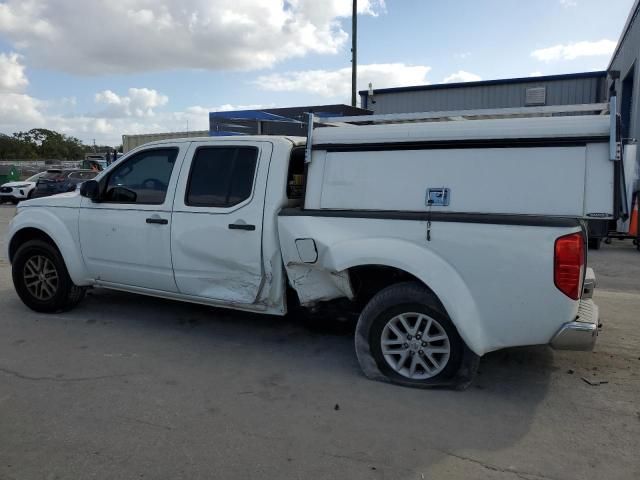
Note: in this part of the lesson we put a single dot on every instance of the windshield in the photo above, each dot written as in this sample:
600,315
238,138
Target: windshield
35,177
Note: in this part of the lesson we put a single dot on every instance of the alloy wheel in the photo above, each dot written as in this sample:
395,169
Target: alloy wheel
415,345
41,277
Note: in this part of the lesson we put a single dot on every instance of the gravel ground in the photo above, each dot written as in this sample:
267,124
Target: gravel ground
130,387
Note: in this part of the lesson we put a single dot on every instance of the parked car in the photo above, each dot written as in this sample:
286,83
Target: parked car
56,181
17,191
448,239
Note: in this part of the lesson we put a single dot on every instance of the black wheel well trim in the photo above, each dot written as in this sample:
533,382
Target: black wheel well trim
395,275
26,234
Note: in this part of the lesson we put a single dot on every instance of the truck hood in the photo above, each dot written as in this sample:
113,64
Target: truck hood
69,199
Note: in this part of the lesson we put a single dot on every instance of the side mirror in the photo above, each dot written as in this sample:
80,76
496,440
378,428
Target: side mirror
90,189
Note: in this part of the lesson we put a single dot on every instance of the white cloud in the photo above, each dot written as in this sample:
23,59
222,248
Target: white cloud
569,3
462,76
19,109
20,112
12,76
337,83
571,51
536,74
146,35
25,18
140,102
462,55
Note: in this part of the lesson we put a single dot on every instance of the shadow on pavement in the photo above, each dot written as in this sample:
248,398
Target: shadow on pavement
251,393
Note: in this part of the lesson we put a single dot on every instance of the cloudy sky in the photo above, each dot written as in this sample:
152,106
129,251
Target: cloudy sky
97,69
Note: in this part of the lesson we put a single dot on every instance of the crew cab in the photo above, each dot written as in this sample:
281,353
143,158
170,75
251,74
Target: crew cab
449,239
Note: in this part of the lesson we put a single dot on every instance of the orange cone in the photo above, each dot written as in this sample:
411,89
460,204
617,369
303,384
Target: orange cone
633,223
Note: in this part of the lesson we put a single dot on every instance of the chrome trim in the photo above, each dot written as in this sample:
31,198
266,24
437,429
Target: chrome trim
580,334
589,284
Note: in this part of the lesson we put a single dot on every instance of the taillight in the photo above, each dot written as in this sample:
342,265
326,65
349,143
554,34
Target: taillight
568,265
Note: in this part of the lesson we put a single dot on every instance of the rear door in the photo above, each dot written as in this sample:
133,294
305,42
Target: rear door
216,234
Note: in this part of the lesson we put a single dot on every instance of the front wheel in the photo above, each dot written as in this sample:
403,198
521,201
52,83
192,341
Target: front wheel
41,279
404,336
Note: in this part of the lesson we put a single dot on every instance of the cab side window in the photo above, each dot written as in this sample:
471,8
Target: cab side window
142,179
221,176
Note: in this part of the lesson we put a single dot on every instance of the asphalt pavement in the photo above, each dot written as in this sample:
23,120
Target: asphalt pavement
130,387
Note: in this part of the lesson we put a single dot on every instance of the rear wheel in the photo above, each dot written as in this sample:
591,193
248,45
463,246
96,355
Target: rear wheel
409,338
41,279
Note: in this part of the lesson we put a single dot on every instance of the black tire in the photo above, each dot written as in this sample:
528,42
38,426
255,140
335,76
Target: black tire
595,243
383,308
66,294
30,195
15,201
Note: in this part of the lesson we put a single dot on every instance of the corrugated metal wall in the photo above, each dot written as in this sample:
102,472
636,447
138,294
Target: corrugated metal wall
501,95
627,60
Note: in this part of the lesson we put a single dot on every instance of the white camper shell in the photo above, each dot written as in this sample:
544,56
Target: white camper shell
534,166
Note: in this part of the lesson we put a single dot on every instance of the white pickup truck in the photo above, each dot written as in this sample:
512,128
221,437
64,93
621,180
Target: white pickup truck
450,239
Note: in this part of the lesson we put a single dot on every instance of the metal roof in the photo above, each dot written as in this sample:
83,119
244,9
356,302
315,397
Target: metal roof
633,14
505,81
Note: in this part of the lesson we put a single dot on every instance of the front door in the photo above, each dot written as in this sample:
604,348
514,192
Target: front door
216,238
125,237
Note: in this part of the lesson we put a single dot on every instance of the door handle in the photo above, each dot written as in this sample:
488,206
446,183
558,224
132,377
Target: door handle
159,221
241,226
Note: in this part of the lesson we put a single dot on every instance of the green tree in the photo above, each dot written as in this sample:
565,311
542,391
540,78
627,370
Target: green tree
50,144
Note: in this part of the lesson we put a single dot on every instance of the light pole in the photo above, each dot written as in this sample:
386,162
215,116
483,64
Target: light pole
354,52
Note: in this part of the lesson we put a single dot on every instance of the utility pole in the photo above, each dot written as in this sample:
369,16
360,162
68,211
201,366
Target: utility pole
354,52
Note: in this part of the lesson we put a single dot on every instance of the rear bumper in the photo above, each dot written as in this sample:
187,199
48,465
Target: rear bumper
581,334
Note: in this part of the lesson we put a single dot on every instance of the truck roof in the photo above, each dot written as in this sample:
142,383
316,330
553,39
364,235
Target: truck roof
297,141
570,126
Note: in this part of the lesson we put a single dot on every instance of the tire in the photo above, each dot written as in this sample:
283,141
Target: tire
436,361
15,201
595,243
30,195
41,279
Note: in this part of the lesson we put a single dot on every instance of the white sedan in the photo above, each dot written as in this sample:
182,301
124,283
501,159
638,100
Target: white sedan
17,191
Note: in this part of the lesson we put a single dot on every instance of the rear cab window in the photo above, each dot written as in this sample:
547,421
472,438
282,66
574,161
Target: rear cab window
221,176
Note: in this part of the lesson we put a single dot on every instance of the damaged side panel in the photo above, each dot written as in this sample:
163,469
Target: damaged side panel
306,263
314,284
